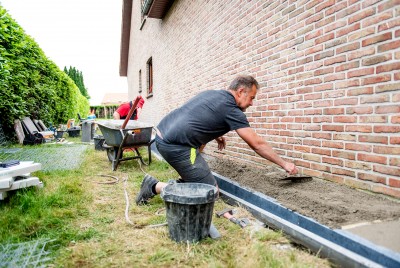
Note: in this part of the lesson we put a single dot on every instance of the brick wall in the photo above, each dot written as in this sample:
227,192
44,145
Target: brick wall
329,74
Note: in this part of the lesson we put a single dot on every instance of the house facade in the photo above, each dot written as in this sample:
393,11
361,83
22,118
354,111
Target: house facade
329,74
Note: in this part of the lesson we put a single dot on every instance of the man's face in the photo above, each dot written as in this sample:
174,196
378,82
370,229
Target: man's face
246,97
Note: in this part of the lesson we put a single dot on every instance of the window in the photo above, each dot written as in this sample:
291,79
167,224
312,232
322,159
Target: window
140,81
150,77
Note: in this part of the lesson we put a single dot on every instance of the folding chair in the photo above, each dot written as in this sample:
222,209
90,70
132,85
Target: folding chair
31,128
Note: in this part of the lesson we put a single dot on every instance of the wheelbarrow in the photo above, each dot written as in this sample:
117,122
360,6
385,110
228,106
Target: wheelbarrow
117,139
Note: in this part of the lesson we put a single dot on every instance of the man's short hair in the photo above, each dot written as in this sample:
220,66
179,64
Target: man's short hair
246,81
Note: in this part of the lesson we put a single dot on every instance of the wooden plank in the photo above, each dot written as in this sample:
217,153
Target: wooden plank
19,131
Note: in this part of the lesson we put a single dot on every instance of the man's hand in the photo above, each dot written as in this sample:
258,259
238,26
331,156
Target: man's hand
221,143
290,168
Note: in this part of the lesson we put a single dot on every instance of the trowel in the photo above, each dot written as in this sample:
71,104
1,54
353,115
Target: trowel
300,178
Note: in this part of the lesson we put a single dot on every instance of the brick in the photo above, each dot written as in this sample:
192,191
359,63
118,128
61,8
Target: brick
334,94
296,12
387,150
389,25
344,137
358,165
323,87
312,157
394,162
327,136
332,161
388,67
314,49
336,128
375,79
395,119
335,26
313,81
321,151
371,177
314,96
387,109
361,34
344,172
359,128
320,119
325,21
359,110
394,182
337,7
344,154
376,39
312,143
335,60
346,101
387,129
362,15
361,53
396,97
377,19
345,119
373,119
348,11
358,184
334,77
314,18
324,5
360,91
358,147
393,171
372,158
387,5
373,139
313,112
367,3
387,87
333,144
386,190
347,66
323,71
347,30
374,99
324,168
324,55
313,66
324,38
304,149
389,46
347,83
376,59
304,61
360,72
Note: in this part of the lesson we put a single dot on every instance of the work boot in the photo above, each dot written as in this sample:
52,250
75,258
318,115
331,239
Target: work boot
145,192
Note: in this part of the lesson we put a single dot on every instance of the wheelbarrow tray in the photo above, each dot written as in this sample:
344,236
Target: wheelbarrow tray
111,130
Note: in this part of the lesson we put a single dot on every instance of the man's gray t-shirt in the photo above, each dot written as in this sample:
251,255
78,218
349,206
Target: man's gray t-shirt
207,116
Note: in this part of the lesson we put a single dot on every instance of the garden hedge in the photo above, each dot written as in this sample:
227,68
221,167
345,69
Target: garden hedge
31,84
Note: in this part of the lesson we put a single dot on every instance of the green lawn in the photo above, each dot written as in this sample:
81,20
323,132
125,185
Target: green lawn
83,216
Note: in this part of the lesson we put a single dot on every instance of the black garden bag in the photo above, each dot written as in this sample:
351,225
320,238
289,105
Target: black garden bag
33,139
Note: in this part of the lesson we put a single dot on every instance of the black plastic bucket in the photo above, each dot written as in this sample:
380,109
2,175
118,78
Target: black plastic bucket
98,143
189,210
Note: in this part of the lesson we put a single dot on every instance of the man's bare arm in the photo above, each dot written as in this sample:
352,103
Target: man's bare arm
262,148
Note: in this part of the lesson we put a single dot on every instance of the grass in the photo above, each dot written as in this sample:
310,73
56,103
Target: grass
87,221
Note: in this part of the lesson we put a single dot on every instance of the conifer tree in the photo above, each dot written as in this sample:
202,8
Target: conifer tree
77,77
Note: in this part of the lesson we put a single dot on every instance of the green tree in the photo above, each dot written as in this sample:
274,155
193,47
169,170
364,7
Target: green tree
77,77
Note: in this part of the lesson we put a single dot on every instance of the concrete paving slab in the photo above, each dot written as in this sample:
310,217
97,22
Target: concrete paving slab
385,234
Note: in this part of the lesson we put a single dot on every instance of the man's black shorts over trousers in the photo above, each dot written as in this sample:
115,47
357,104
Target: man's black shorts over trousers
187,161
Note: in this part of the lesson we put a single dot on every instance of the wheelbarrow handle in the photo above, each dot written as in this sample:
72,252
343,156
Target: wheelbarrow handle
135,103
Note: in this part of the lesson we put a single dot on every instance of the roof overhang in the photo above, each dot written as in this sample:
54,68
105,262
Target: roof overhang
125,37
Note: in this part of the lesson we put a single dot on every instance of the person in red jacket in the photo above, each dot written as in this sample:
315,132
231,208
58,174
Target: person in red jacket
124,109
